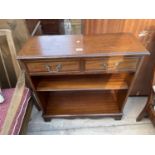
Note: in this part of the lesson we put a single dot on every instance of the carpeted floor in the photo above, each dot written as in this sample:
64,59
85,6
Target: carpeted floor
87,126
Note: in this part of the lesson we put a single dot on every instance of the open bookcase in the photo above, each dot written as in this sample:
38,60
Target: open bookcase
83,76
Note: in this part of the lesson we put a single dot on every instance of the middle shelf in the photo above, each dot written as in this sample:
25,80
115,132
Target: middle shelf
82,82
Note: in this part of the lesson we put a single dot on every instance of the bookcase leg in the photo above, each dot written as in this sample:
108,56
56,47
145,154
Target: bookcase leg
117,118
47,119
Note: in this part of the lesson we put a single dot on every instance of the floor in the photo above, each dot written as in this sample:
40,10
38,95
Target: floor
103,126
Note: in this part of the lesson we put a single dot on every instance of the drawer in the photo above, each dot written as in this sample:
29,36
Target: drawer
52,66
112,64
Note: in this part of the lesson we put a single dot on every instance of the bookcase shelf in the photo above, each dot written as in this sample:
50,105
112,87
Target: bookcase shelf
82,82
81,103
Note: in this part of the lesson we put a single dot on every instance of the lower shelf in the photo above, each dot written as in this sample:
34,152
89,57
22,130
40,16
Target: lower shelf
81,103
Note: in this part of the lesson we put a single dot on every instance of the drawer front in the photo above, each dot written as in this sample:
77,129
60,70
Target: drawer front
112,64
53,66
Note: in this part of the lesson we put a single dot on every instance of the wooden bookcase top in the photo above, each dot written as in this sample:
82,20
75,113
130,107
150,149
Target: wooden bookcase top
63,46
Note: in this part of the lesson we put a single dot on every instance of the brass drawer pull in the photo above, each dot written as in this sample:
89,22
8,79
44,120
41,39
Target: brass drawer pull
117,64
58,67
48,67
104,66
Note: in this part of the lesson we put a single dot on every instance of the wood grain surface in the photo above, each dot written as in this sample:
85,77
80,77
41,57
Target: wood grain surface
143,29
20,35
64,46
74,103
82,82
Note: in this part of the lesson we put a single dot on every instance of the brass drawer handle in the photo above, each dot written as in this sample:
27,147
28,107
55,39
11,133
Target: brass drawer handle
117,63
104,66
58,67
48,67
